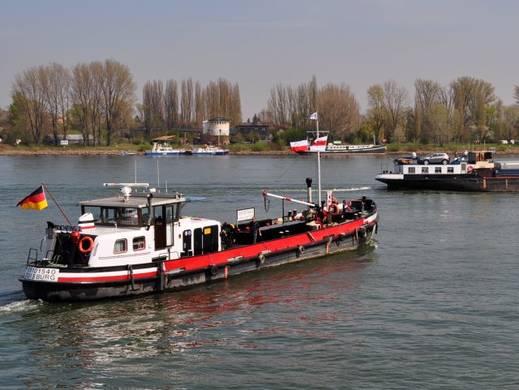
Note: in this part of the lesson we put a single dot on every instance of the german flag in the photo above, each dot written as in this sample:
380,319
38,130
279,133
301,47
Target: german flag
36,200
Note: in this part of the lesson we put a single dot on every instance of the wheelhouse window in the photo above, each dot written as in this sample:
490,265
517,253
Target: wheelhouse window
121,246
425,169
139,243
171,213
411,170
438,170
450,170
121,216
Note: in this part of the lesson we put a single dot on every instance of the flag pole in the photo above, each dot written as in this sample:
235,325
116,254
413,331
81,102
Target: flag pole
56,203
318,162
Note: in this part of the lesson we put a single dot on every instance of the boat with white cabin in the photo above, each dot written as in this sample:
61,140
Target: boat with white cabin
140,242
208,150
159,149
475,171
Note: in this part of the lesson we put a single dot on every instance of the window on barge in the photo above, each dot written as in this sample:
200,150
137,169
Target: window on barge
122,216
120,246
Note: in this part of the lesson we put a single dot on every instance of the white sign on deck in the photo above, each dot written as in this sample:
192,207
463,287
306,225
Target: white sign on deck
245,214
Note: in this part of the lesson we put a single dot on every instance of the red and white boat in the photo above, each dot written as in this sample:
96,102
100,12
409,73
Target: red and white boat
138,242
321,145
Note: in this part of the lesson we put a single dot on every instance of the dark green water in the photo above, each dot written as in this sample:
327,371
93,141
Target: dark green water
434,306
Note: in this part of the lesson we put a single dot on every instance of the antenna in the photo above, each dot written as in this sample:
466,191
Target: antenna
158,174
135,170
131,185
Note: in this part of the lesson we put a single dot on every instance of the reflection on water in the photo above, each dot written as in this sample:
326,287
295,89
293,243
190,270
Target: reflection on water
434,306
127,336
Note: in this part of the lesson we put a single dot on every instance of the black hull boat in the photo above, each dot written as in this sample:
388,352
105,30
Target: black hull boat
470,183
169,275
140,244
135,244
478,172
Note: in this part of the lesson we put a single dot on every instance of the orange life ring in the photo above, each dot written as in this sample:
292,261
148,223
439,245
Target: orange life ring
89,247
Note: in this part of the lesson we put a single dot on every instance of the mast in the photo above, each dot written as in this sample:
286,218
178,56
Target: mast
318,163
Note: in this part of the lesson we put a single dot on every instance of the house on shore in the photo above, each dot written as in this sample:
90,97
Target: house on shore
216,131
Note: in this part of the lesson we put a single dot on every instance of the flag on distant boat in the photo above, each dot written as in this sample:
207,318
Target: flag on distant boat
314,116
36,200
319,144
299,146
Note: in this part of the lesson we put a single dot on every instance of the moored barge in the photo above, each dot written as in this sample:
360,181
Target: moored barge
477,171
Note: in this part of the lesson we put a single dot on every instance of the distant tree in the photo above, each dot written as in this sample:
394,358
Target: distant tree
516,94
56,83
186,102
338,110
118,96
471,97
199,104
395,105
153,106
511,120
29,94
171,104
376,111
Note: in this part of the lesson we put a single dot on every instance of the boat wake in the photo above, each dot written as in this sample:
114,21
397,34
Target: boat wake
351,189
20,306
14,302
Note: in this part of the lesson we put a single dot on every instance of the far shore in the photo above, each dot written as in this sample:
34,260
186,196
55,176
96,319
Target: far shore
121,150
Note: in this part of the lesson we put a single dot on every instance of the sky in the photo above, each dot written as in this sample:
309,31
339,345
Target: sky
261,43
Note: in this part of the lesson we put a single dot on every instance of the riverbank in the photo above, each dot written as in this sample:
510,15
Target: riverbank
238,150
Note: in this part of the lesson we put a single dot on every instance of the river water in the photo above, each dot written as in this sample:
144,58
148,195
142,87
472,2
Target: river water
433,306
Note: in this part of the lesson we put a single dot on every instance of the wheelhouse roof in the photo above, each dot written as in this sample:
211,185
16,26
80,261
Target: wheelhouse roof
135,201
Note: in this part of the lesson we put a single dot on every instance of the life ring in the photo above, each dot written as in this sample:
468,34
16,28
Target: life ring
470,168
90,245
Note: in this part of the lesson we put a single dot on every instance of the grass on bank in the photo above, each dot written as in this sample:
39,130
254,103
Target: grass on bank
243,148
450,148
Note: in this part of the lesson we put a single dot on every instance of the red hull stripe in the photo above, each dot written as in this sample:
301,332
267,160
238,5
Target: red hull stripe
200,263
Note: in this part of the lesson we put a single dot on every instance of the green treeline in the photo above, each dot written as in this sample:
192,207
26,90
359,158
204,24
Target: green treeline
467,110
98,100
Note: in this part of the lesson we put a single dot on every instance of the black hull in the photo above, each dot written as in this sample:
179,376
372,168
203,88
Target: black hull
453,183
56,292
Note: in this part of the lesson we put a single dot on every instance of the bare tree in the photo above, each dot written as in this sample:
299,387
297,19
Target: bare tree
29,92
338,110
87,97
171,104
186,102
428,95
153,106
199,104
56,84
471,97
395,100
118,95
516,94
376,111
82,99
235,110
